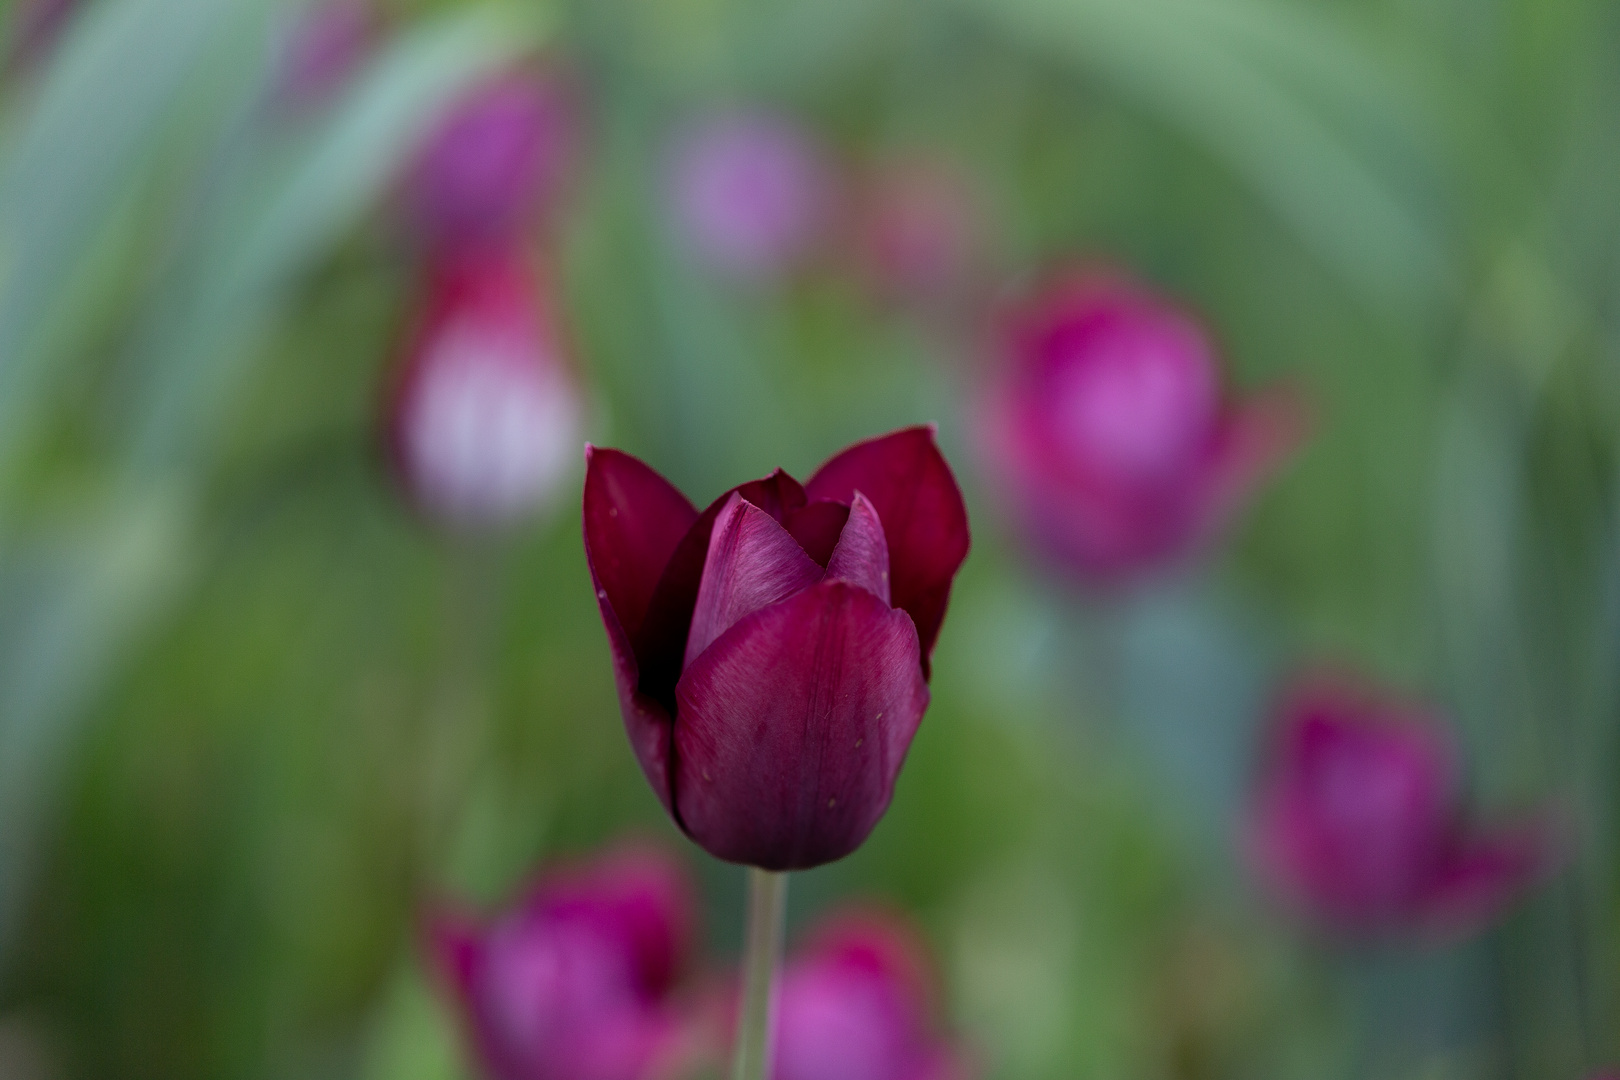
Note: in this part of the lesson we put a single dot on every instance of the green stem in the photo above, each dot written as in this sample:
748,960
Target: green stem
762,953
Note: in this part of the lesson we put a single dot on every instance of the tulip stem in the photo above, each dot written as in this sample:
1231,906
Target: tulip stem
762,954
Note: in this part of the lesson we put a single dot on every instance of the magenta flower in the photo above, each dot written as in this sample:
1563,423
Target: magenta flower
1359,823
918,229
485,418
573,982
749,192
1106,425
497,159
854,1006
771,652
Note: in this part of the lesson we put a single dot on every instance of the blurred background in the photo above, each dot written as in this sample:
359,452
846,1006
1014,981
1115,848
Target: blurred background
265,690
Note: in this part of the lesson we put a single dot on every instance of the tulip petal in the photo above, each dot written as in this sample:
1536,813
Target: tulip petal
633,520
817,527
1259,437
661,642
862,555
793,727
923,517
752,562
1483,875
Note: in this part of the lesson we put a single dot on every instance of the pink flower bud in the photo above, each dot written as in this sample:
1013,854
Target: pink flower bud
573,981
1106,424
486,419
771,652
749,192
500,157
854,1005
1359,822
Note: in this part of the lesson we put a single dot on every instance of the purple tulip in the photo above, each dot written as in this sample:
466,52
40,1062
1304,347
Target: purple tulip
749,193
854,1006
1106,424
485,419
771,652
1359,823
33,29
500,156
573,982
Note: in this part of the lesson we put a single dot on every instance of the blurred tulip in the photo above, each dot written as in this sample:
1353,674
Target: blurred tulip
918,229
750,192
1106,424
854,1006
574,981
1359,822
321,51
771,653
500,157
33,27
486,418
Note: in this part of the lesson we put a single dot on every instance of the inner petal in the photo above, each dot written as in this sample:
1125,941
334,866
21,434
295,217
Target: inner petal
862,555
752,562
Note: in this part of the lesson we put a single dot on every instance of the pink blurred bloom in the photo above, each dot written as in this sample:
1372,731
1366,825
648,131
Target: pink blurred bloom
321,51
749,192
573,981
1359,822
486,420
500,156
1106,423
918,229
854,1005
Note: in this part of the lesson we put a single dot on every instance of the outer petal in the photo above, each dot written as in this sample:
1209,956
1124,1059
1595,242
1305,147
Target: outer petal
661,641
862,555
923,517
633,520
794,724
1257,439
752,562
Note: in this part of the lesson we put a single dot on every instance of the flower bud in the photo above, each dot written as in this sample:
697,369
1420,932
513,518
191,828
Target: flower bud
1107,426
486,418
749,193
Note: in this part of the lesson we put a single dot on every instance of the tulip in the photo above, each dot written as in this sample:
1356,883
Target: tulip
1106,425
771,653
573,982
854,1006
33,29
485,416
1359,823
749,193
495,161
918,229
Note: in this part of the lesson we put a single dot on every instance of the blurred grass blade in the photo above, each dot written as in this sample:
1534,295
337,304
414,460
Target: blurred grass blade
278,212
68,595
1164,53
76,153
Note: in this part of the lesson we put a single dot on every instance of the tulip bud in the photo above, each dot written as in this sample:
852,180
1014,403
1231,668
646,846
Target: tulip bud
771,653
499,157
749,193
33,28
1359,822
1107,426
918,230
485,418
573,981
854,1006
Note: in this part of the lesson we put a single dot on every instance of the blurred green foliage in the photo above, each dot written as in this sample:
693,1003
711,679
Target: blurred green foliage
253,711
